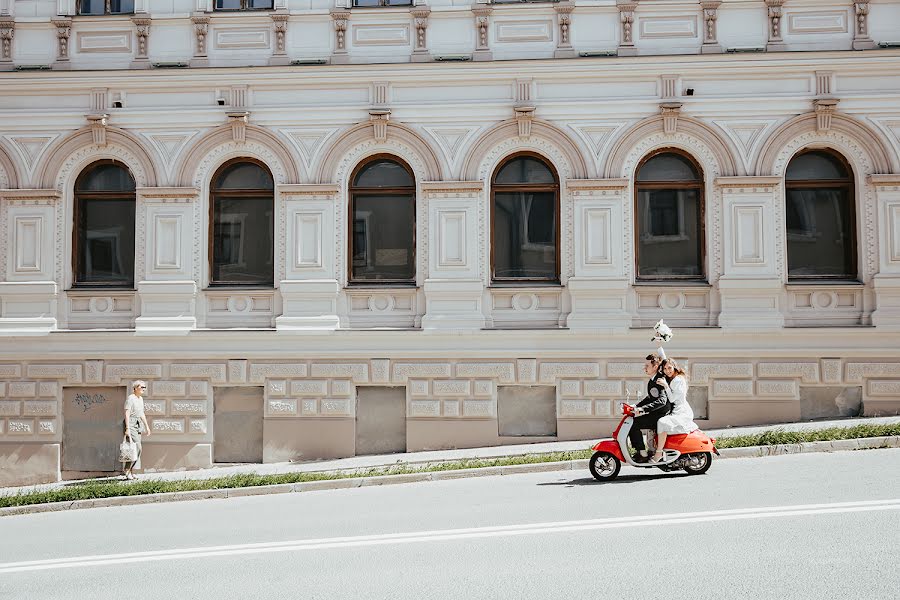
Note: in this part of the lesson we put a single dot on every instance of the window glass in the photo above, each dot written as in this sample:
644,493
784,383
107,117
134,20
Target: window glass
382,241
383,174
104,226
92,7
525,235
245,176
667,167
524,170
121,6
243,226
106,178
669,218
815,165
819,215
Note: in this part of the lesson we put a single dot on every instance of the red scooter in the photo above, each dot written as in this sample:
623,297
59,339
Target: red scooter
689,451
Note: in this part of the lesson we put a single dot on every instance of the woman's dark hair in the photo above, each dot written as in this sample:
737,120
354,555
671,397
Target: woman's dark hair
678,370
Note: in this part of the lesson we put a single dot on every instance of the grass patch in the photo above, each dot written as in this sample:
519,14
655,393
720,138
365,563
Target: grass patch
90,490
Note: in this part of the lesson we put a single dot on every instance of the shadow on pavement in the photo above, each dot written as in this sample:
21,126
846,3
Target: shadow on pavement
618,480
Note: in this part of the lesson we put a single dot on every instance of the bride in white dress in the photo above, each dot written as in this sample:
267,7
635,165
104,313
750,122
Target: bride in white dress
681,419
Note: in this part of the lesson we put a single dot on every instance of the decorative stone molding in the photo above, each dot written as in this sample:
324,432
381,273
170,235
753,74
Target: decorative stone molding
824,83
482,32
524,119
141,58
670,112
341,20
710,35
63,32
420,25
776,42
626,34
564,47
279,54
238,120
861,38
98,124
201,33
824,109
7,32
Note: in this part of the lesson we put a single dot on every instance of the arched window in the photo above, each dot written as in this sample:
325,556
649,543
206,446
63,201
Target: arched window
525,221
242,224
104,226
383,222
669,217
821,228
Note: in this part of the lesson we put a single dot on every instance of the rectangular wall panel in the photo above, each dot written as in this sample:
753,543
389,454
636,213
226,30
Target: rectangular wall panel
168,242
27,244
748,235
597,223
308,229
452,238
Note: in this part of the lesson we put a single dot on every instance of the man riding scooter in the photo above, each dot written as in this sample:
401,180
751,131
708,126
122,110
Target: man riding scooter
651,409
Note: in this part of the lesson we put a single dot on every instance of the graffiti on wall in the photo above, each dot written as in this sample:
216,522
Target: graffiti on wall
87,401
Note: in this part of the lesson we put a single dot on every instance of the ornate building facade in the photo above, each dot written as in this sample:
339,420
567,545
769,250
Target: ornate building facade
322,229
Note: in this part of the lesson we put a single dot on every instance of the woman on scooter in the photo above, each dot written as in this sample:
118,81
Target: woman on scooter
681,419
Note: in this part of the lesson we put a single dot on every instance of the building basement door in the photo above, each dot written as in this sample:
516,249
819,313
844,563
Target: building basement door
380,420
238,424
93,427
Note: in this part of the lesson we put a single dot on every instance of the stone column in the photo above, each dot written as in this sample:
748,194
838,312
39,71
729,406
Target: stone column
626,35
200,22
279,55
861,39
420,27
169,226
776,42
564,47
32,235
887,281
453,289
306,262
599,287
710,35
341,20
482,33
141,58
750,288
63,31
7,32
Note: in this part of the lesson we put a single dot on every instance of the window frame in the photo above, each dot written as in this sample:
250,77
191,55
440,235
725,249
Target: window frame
528,187
243,8
382,4
352,191
700,185
78,227
106,10
815,184
214,193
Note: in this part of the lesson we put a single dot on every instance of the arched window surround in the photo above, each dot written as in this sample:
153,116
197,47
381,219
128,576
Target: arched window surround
81,278
698,185
214,193
352,192
845,183
553,188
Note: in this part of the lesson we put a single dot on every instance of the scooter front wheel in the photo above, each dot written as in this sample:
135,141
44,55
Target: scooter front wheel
604,466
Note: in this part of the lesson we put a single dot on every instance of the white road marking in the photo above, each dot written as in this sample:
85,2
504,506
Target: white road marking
452,534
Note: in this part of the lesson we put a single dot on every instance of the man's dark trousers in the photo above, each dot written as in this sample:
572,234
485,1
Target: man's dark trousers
647,421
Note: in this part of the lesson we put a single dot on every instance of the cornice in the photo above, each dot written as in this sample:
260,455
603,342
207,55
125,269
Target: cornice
596,184
888,179
30,194
167,192
308,188
748,181
451,186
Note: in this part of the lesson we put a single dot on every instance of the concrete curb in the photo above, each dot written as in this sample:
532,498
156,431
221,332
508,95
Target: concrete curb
355,482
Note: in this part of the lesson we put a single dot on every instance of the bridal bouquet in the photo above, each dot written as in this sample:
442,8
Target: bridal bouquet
662,332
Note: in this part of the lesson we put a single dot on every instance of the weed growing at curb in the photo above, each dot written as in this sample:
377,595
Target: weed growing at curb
90,490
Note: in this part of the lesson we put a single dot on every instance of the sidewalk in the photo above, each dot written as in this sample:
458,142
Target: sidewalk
436,456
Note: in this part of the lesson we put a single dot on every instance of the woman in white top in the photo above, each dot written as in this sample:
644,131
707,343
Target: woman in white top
135,423
681,419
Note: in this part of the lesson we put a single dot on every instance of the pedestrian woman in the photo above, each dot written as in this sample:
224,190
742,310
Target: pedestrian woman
681,419
135,423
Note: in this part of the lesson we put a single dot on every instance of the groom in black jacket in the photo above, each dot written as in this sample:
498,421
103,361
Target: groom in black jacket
649,410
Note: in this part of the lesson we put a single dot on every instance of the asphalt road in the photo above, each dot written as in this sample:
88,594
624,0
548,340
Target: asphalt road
813,526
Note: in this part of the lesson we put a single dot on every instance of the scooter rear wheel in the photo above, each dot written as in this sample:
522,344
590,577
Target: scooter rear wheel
704,462
604,466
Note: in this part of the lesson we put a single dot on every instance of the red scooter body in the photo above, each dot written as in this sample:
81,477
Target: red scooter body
689,451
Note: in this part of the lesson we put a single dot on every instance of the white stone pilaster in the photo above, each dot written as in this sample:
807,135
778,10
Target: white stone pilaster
453,289
887,281
750,287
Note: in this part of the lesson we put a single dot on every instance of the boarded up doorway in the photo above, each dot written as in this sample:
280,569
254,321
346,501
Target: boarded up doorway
380,420
93,426
238,424
526,410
